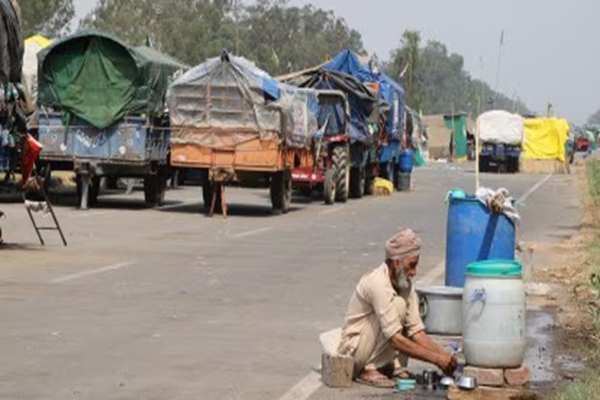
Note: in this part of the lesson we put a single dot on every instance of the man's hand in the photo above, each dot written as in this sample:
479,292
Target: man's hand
447,363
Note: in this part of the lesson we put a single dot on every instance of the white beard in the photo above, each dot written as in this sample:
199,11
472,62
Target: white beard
403,283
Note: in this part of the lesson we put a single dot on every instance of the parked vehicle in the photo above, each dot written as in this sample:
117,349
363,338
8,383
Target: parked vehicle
102,113
379,155
330,173
240,126
501,134
12,115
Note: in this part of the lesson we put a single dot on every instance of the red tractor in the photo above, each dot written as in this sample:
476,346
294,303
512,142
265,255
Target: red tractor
330,173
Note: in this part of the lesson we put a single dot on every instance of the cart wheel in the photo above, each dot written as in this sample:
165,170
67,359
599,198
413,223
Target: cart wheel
281,192
329,186
341,164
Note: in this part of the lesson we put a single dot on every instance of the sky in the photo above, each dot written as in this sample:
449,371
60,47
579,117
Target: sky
551,49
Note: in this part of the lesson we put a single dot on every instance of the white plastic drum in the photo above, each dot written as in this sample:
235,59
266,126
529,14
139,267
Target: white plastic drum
494,315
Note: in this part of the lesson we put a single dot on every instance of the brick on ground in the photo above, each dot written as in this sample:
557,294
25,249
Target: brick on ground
489,393
336,370
486,376
518,377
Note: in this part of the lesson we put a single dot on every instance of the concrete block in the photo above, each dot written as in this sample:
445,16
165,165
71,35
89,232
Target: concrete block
517,377
337,371
486,376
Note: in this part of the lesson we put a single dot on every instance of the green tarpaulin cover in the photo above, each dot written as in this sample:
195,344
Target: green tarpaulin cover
100,79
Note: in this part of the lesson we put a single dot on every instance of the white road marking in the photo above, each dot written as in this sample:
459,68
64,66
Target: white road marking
85,274
534,189
305,388
251,233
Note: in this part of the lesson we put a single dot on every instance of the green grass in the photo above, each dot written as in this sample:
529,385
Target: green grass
587,388
593,179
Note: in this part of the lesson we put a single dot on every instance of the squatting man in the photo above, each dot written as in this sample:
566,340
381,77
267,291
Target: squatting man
383,327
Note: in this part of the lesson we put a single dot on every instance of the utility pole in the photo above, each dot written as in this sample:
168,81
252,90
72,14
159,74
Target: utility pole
499,64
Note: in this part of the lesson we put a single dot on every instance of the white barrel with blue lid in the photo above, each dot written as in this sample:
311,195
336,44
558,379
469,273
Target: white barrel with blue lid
494,315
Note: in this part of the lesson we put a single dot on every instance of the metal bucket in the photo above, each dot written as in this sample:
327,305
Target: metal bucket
441,309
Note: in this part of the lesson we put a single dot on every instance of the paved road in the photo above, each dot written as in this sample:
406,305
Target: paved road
169,304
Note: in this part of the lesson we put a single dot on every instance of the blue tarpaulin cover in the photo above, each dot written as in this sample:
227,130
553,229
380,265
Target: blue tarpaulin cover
390,91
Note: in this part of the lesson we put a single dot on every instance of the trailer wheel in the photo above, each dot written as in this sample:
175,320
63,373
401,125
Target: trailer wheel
93,192
357,182
281,192
155,187
341,166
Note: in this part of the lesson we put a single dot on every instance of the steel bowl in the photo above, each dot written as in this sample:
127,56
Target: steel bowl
446,381
467,383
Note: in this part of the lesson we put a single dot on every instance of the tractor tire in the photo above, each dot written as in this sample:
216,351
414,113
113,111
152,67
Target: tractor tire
281,192
341,166
357,182
329,186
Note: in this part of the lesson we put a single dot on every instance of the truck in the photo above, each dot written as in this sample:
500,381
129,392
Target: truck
101,113
501,134
240,126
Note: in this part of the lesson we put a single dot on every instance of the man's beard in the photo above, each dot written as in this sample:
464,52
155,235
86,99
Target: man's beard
403,282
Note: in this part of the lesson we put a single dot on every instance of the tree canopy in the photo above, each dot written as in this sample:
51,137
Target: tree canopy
594,118
47,17
279,37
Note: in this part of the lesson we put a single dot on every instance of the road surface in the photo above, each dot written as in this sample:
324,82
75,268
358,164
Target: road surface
169,304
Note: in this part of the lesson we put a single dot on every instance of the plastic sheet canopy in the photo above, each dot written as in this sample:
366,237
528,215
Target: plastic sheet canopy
545,139
227,101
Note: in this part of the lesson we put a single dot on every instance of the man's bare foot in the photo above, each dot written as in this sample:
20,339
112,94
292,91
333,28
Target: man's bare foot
375,379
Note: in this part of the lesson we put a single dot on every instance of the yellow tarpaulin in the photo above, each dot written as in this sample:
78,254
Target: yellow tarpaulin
545,139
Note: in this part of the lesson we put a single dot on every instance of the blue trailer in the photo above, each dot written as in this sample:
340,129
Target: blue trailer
102,112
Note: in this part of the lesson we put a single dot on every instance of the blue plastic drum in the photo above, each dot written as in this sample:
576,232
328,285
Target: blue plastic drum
406,161
474,234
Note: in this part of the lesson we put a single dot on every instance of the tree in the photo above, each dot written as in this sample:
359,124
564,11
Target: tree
406,64
436,81
190,30
278,37
47,17
594,118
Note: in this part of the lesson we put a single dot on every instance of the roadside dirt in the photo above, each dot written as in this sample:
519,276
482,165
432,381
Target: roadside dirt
560,277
